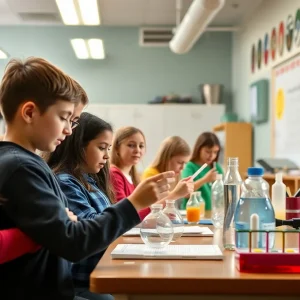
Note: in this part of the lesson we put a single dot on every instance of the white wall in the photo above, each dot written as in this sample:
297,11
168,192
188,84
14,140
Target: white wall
268,15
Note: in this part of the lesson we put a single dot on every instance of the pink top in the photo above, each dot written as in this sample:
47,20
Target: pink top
14,243
123,188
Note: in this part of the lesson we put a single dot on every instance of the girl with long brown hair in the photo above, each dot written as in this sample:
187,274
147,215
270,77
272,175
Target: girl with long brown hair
206,150
128,148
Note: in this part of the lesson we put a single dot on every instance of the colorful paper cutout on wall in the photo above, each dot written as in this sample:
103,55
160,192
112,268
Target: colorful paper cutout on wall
266,48
253,58
297,28
281,38
289,32
259,53
273,44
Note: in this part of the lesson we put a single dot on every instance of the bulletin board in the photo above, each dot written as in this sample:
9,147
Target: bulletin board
286,110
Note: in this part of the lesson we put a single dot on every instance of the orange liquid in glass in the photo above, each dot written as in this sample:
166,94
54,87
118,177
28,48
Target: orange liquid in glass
193,214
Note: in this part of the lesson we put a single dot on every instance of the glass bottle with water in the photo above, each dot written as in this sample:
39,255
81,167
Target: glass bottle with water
217,202
156,229
177,221
254,201
232,182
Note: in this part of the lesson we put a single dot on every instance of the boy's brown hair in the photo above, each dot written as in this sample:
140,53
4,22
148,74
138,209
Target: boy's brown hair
38,81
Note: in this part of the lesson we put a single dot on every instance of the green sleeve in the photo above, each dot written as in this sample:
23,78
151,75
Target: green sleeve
188,170
219,169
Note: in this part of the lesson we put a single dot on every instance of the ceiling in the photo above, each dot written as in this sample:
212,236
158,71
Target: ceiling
120,12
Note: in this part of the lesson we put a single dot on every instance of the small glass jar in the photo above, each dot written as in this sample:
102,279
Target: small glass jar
193,209
156,229
174,215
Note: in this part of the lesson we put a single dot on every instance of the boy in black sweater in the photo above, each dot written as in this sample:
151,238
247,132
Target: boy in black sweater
37,101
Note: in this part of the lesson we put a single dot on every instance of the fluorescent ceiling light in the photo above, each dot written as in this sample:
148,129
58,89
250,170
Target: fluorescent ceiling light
89,12
68,12
80,48
96,48
3,55
92,48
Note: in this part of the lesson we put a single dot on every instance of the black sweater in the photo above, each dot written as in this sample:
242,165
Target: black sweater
34,203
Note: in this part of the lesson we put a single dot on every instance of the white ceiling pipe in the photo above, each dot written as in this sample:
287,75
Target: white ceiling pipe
194,23
220,29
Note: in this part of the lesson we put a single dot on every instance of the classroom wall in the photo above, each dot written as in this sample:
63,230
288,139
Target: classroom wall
130,73
268,15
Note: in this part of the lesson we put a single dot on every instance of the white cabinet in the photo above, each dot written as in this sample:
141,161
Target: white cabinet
189,121
160,121
150,120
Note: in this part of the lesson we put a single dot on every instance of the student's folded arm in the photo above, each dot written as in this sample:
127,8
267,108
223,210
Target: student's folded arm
39,213
77,200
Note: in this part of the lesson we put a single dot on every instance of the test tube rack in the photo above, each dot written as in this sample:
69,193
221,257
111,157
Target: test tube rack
268,260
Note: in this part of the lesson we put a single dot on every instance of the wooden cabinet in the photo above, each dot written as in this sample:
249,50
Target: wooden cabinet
291,182
236,141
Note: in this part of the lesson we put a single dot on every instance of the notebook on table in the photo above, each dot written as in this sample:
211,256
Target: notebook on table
141,251
188,231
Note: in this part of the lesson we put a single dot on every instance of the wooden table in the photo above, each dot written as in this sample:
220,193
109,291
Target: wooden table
187,279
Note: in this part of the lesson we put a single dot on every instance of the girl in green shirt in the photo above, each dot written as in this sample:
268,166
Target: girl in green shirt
206,150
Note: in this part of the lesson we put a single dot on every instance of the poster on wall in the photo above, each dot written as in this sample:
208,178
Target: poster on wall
281,38
259,53
297,28
289,32
266,48
273,44
286,107
253,61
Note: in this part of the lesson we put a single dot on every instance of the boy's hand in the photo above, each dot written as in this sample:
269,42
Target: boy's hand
71,216
151,190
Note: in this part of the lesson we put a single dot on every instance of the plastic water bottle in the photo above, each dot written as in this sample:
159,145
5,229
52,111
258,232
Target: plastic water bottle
279,197
254,201
217,202
156,229
232,182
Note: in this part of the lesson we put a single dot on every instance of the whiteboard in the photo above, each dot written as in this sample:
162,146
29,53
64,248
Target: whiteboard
286,110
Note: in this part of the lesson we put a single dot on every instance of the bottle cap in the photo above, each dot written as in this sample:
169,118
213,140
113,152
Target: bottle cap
255,171
156,206
232,161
